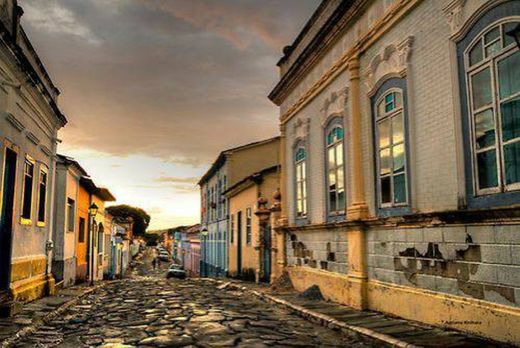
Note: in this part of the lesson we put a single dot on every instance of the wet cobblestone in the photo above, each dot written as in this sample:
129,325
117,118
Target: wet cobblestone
151,311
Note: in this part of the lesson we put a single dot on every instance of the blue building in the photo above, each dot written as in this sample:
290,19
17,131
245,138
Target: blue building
230,167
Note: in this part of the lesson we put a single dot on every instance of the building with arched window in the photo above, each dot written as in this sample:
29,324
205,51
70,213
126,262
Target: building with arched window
400,155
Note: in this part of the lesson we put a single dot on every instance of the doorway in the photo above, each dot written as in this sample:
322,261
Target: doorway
266,250
239,243
6,218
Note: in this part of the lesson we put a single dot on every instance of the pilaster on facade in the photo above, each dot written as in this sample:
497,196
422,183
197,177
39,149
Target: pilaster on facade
357,208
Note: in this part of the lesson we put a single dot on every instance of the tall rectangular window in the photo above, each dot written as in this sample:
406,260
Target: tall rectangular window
42,196
248,226
301,182
28,174
493,77
335,169
81,232
391,150
232,229
71,210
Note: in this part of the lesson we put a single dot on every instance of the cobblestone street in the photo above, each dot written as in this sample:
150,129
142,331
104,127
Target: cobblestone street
149,310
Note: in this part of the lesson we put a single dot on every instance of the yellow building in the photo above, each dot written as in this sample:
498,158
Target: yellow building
251,238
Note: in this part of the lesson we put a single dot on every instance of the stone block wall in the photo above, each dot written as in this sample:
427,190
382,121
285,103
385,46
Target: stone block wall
320,249
477,261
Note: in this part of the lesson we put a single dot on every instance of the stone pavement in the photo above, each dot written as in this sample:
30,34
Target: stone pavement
155,312
148,310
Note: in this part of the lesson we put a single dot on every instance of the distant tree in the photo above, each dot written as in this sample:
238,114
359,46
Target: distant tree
151,239
140,217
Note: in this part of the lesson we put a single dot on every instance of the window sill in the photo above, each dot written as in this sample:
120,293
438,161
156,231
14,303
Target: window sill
394,211
25,222
40,224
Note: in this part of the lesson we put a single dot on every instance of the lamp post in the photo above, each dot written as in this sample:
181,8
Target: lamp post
204,234
92,212
515,34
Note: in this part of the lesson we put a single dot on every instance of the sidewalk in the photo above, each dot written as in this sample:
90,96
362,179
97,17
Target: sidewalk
33,315
390,330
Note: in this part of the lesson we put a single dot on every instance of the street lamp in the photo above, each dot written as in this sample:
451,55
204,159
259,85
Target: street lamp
92,212
204,233
515,34
93,209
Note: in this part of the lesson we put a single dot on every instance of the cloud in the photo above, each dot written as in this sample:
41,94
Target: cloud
175,179
239,23
162,85
50,16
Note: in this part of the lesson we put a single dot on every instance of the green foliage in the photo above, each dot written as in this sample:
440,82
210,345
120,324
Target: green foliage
140,217
151,239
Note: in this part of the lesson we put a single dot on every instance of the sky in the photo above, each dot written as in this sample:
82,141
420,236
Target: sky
154,89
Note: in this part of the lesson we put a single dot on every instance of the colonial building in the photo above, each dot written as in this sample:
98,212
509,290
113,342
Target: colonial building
400,160
230,167
250,241
91,246
29,122
67,224
192,258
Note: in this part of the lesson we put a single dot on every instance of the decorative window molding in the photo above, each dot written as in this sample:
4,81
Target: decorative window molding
454,13
301,128
334,105
392,61
46,150
33,138
14,121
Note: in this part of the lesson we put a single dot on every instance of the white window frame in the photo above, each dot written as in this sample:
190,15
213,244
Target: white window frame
300,167
490,62
43,170
27,220
379,119
334,145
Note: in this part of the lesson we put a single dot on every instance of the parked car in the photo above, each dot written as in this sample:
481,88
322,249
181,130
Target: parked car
164,256
176,271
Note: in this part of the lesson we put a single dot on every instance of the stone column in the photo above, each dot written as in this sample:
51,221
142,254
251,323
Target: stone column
278,242
283,178
357,209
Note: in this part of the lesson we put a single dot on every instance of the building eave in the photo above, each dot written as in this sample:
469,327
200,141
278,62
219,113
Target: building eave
222,157
316,48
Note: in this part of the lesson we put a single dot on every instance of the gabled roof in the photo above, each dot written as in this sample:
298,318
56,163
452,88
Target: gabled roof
221,159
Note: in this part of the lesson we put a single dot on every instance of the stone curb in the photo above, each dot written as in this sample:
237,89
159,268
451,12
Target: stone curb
27,330
318,318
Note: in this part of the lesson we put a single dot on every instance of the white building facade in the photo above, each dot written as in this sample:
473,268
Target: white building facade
399,151
29,122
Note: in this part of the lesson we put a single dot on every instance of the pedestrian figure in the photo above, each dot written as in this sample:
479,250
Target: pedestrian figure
154,263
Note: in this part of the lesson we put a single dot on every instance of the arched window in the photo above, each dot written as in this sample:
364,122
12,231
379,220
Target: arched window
492,69
391,149
300,169
335,168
